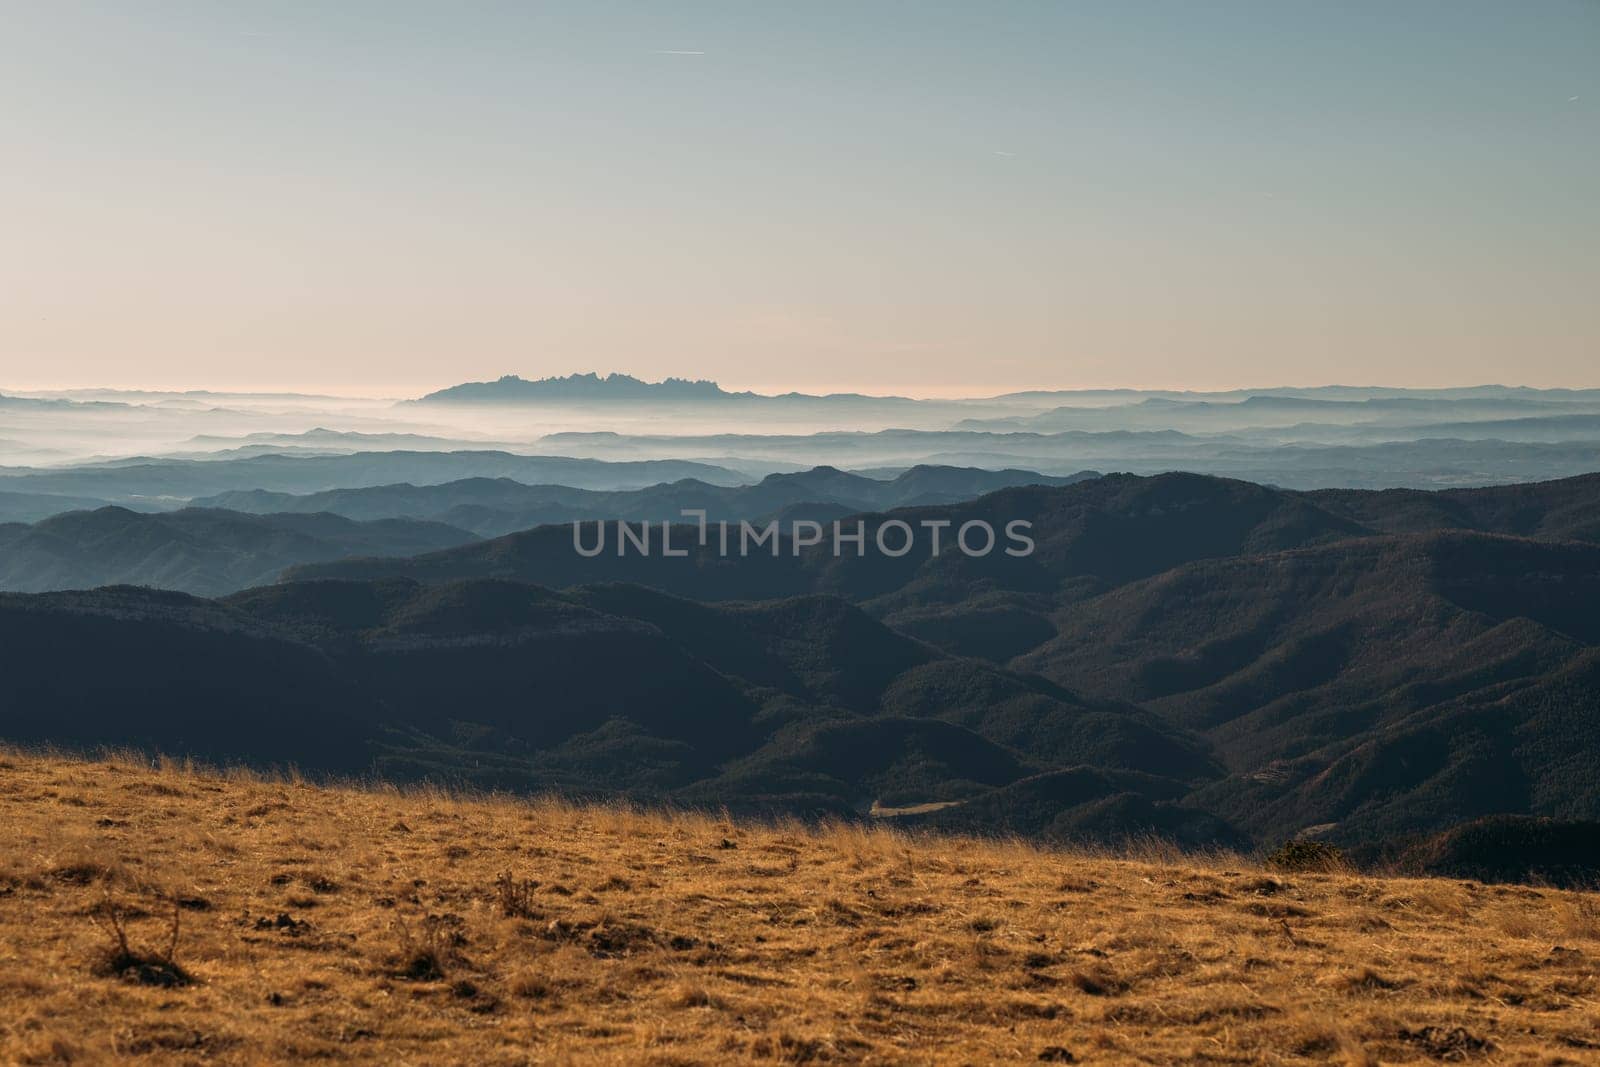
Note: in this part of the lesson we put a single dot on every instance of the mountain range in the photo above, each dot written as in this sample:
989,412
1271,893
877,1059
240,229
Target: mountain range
1305,456
611,388
244,538
152,451
590,387
152,483
510,389
490,507
1207,660
198,550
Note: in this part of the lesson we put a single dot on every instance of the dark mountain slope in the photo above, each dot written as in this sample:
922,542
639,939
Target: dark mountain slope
1202,640
796,705
195,550
1368,684
1507,848
514,669
1120,528
1523,746
817,649
168,672
1090,536
1095,536
1085,804
1564,510
548,556
1030,715
798,661
846,765
827,654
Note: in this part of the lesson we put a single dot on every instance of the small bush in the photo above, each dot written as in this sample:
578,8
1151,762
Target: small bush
1306,856
120,959
427,953
515,896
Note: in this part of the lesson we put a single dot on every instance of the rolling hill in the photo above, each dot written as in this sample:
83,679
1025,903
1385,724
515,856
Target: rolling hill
1365,687
494,506
196,550
804,704
163,483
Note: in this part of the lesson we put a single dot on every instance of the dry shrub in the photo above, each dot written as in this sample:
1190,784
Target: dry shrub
121,959
515,896
428,951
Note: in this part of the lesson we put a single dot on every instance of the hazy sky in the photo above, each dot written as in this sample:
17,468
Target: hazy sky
920,197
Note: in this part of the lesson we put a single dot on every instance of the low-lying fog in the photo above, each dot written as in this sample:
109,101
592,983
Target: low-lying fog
141,448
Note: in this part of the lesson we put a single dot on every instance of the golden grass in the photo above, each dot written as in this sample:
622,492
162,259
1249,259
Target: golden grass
388,927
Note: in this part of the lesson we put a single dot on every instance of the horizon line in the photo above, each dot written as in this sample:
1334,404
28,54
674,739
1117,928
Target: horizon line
395,392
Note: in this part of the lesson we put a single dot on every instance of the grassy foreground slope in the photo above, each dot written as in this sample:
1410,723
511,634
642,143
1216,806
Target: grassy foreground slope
376,926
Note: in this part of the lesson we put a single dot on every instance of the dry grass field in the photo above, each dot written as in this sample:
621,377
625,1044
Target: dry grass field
165,915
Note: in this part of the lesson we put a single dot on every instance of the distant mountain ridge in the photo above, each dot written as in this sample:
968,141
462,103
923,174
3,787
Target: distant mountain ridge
490,507
1302,438
203,551
228,542
605,388
163,483
510,389
1093,535
1348,456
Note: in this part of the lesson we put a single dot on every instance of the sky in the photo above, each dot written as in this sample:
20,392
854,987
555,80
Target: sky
925,198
